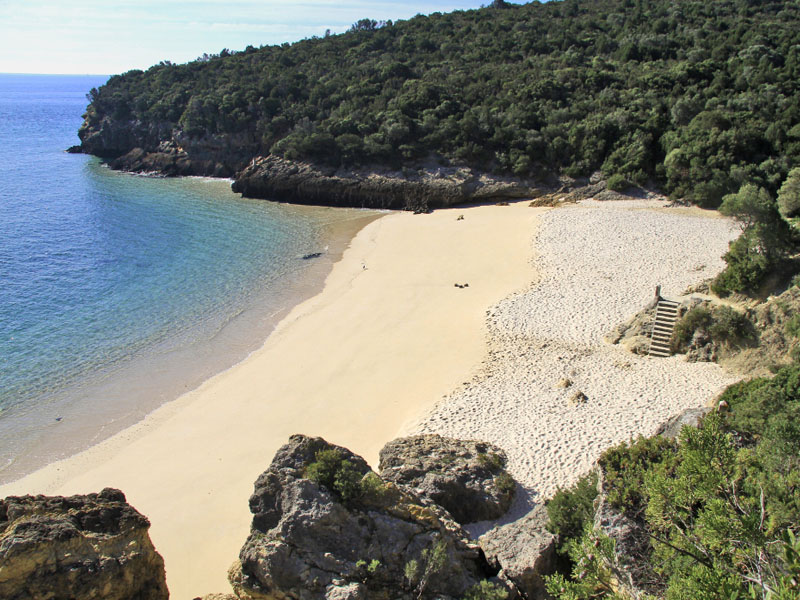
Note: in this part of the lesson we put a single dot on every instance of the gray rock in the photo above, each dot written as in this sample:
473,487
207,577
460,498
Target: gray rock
524,551
305,543
632,544
691,417
276,178
90,547
468,478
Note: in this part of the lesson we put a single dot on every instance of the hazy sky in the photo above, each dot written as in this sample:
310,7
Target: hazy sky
113,36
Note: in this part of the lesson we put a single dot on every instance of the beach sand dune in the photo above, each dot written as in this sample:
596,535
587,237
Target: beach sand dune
387,337
598,264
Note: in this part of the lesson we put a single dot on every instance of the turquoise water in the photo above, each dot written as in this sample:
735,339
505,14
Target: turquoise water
117,292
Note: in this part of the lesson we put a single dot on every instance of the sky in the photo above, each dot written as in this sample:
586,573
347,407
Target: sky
113,36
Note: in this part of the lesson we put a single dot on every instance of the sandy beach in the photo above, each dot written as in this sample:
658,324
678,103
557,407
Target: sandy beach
392,346
598,264
389,335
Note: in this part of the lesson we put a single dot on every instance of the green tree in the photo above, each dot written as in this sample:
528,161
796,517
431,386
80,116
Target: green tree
789,195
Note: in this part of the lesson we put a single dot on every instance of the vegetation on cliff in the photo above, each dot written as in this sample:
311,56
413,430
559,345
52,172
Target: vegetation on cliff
699,97
718,508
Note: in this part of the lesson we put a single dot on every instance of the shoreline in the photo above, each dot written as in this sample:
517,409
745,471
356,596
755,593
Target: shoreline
75,419
386,338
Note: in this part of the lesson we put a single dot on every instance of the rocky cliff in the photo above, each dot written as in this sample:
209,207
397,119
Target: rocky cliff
160,148
88,547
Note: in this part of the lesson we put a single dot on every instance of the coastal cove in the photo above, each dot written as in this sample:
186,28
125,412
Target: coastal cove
392,346
122,292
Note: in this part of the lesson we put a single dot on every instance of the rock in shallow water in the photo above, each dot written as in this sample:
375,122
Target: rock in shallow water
92,546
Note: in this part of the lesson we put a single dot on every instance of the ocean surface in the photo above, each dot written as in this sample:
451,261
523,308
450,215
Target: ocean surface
119,292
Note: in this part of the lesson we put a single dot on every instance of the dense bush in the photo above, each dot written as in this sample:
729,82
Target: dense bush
696,318
698,96
723,324
721,506
336,474
789,195
765,242
570,510
625,467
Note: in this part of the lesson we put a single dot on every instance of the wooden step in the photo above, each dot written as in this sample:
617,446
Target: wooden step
664,325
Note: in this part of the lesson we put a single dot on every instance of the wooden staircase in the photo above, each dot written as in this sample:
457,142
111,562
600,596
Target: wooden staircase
666,315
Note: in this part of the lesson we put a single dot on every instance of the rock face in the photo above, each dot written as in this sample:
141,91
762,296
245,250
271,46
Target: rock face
467,478
524,551
632,544
93,546
634,334
154,147
307,543
691,417
276,178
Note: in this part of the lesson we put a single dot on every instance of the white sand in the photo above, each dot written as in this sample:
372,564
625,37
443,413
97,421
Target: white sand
377,347
598,263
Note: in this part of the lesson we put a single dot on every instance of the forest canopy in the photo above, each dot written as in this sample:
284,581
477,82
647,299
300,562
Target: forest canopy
696,97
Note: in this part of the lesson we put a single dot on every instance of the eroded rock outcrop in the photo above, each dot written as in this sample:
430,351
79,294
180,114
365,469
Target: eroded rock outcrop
468,478
155,147
276,178
524,551
311,540
92,546
632,544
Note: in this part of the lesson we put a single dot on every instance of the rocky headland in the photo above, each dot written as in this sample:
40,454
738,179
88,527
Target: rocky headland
159,149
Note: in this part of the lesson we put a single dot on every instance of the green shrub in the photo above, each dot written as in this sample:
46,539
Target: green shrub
697,318
323,469
492,461
793,326
729,325
486,590
789,195
336,474
625,466
373,489
570,510
618,183
505,483
723,324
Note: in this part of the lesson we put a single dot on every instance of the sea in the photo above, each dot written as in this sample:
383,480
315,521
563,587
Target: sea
119,292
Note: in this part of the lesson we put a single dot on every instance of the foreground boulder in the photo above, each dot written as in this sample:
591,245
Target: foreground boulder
325,526
468,478
524,551
93,546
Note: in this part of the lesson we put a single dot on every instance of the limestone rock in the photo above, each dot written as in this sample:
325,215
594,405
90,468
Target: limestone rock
431,186
632,544
691,417
306,543
524,551
634,334
467,478
89,547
